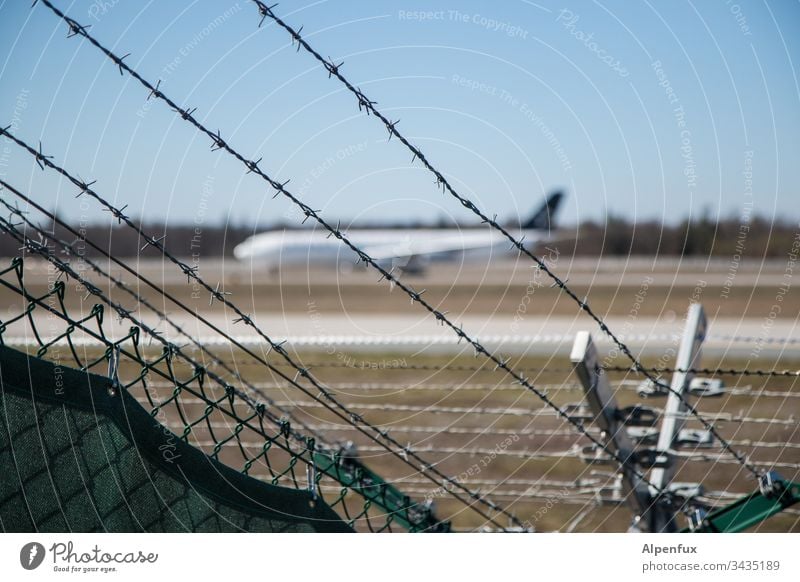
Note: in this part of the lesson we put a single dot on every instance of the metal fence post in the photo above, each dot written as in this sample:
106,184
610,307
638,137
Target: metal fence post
604,408
689,354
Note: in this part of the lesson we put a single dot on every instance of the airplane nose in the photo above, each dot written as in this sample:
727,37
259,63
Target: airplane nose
242,251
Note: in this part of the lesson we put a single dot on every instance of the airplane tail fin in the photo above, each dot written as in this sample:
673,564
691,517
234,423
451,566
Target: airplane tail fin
544,218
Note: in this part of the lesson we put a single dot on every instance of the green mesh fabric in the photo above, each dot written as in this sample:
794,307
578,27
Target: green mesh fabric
77,456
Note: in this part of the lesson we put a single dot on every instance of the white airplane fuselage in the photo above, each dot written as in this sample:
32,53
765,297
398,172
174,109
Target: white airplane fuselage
275,249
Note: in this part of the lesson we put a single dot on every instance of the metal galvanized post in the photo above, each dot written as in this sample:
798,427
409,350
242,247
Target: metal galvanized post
674,417
604,408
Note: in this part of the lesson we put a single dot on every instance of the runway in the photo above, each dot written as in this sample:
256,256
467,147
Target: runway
641,300
743,338
608,271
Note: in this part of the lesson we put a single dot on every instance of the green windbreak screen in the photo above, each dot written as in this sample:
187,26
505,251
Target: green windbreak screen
77,456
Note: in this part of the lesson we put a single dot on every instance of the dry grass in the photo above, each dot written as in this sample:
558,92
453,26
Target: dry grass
612,287
356,386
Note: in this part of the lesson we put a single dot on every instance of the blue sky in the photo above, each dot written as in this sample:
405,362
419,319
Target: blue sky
651,110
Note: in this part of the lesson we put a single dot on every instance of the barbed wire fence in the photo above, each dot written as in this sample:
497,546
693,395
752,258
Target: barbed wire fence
43,160
218,143
323,395
252,165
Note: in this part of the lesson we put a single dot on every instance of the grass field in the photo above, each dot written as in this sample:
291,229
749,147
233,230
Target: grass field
468,392
499,438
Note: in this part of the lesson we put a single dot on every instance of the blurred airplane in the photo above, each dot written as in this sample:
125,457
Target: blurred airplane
409,249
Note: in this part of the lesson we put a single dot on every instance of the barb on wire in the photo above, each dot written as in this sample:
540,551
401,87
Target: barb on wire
40,157
152,240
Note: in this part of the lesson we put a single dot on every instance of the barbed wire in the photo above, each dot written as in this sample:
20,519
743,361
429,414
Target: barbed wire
436,409
606,482
710,371
750,339
606,495
718,460
445,430
470,451
312,365
719,371
569,496
346,387
600,495
252,165
512,482
574,452
367,105
550,433
575,411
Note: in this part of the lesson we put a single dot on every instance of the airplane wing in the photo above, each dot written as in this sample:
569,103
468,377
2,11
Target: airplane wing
412,248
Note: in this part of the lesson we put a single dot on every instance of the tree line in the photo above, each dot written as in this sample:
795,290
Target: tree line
617,236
